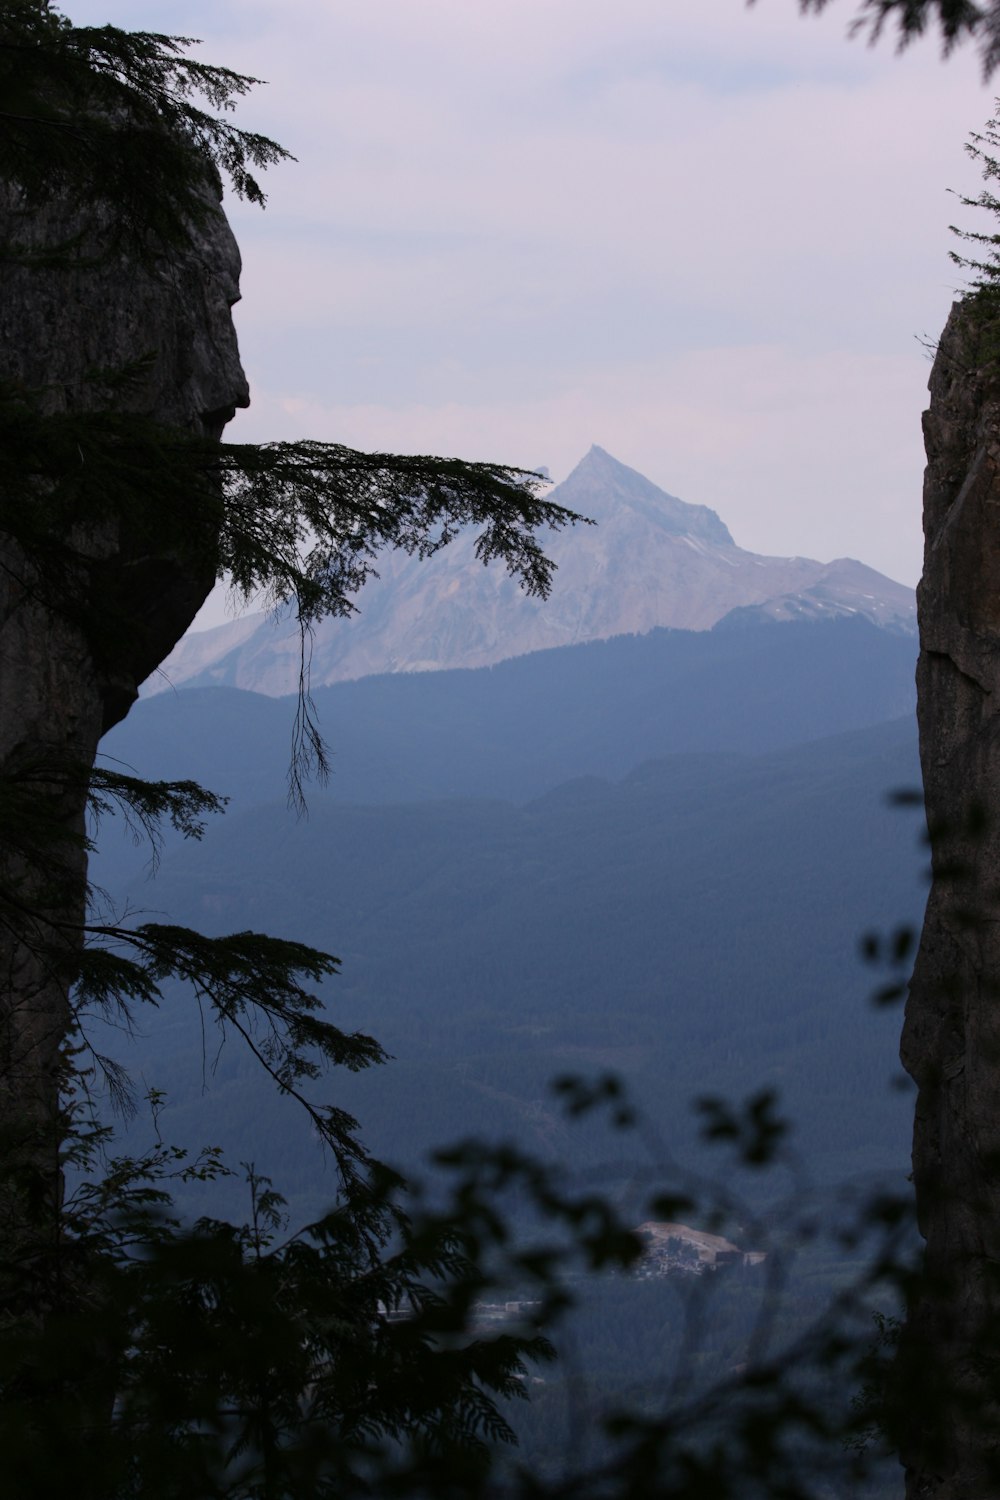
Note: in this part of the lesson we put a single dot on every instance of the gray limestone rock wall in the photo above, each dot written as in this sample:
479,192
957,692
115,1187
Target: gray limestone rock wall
167,317
951,1036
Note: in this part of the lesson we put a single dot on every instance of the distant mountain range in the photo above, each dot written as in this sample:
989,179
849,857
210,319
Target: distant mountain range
651,560
693,927
520,728
653,854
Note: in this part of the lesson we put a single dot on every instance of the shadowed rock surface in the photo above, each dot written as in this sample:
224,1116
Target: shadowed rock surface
951,1037
94,307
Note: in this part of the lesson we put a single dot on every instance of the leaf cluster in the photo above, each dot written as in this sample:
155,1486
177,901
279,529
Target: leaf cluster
237,1360
125,120
297,523
349,1358
956,20
984,263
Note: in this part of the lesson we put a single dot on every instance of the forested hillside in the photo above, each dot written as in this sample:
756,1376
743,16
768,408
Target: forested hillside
693,926
517,729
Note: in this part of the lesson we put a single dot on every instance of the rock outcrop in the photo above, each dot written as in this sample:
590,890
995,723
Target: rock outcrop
951,1037
166,319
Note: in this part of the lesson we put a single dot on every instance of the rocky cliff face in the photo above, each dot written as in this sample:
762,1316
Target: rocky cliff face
169,321
951,1038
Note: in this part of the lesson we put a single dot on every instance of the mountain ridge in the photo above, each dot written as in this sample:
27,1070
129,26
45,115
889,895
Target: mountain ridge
524,725
651,561
695,920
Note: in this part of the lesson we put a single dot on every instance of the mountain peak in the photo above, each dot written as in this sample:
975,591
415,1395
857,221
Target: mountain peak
602,485
652,561
595,452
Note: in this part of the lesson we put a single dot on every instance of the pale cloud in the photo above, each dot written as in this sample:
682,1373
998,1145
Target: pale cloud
703,236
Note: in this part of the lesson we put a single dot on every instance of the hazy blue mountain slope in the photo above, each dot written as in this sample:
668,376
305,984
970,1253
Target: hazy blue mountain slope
523,726
694,927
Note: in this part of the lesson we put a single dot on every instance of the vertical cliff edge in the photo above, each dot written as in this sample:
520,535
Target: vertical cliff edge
87,613
951,1035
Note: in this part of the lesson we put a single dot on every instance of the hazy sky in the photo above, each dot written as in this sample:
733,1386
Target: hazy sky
707,238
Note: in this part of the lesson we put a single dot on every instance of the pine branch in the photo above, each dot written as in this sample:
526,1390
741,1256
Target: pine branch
114,117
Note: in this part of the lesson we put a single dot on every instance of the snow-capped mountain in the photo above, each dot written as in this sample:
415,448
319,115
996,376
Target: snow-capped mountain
651,560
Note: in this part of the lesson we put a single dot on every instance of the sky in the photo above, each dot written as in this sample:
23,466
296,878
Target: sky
712,239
